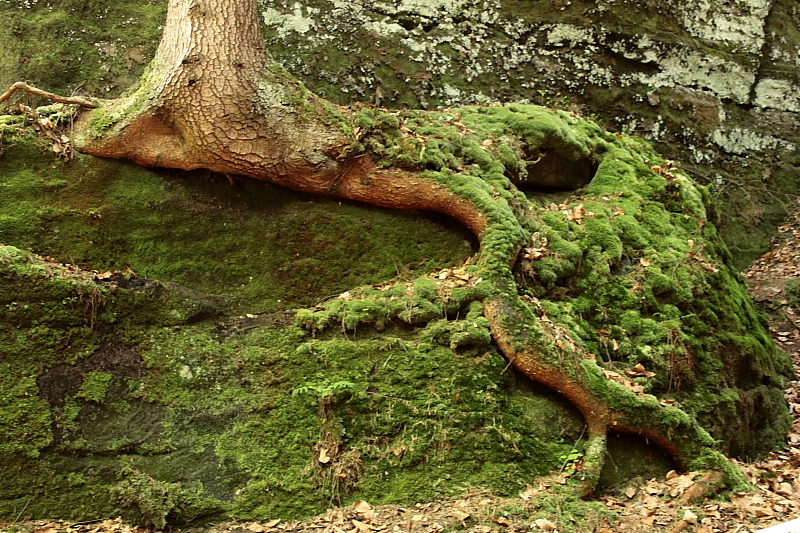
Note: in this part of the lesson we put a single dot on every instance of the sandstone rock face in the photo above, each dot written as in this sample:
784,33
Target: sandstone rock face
714,84
146,399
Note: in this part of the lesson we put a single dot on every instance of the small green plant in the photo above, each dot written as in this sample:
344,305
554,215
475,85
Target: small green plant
569,460
154,499
325,390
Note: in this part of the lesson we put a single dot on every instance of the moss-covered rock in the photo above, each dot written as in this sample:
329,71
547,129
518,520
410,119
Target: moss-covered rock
112,404
712,84
262,247
622,288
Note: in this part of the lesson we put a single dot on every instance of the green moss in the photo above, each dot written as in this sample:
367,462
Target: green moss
215,404
22,415
158,502
104,46
620,269
191,231
95,386
562,507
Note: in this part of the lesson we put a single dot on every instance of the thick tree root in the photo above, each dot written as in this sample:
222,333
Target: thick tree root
546,354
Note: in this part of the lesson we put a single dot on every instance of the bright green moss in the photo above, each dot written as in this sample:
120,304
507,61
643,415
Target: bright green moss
95,386
620,267
261,245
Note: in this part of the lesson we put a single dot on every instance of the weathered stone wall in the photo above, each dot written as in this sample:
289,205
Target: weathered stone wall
714,84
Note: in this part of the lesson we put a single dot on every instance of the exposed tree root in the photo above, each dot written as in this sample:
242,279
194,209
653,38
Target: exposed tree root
21,86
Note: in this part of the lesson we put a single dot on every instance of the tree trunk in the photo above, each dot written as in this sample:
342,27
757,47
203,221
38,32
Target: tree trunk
213,98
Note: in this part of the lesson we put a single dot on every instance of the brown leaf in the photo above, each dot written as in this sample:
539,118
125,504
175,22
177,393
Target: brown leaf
361,526
742,500
785,489
690,517
544,524
361,506
324,458
501,520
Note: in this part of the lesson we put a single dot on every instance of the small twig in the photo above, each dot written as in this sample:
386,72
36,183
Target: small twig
790,319
574,449
23,509
88,522
77,100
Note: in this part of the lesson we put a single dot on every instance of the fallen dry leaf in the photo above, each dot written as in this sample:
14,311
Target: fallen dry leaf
324,458
501,520
361,506
690,517
544,524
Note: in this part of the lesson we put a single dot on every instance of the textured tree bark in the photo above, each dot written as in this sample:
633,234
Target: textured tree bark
213,98
209,100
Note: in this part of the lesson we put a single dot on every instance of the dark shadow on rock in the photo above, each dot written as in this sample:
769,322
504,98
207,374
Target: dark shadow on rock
241,324
62,381
551,171
192,306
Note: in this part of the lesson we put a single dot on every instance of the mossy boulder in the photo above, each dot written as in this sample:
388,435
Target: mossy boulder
115,403
170,379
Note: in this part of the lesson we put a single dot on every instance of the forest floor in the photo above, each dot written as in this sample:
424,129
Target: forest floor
656,505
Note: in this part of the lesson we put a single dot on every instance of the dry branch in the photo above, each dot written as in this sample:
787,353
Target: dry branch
76,100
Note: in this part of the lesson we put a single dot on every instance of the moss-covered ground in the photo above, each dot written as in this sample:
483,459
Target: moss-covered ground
214,425
262,247
139,401
127,395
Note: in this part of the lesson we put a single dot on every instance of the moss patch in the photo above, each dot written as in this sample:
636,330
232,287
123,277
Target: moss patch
390,383
104,46
263,247
181,437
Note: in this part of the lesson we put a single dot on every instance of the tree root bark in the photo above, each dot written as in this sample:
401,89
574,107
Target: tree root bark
548,356
21,86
